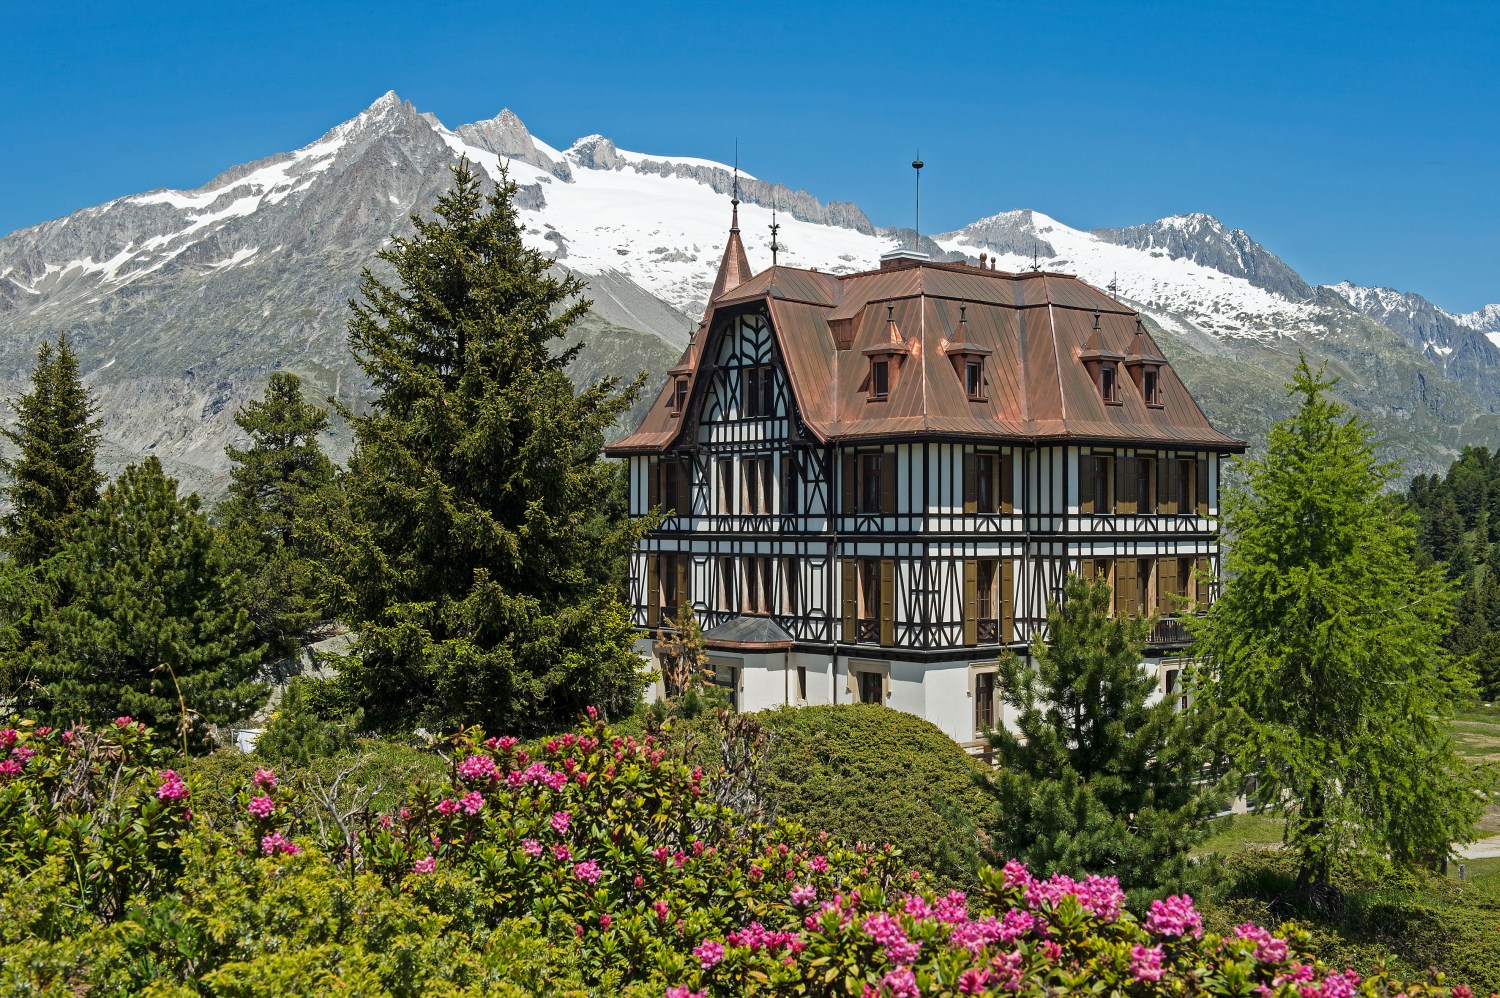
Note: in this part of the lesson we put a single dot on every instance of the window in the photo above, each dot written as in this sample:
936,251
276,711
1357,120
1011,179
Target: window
1101,569
756,498
1104,493
758,583
671,486
1145,586
726,584
871,687
792,604
679,396
880,378
1109,388
1151,387
1145,485
974,379
1186,486
789,504
669,578
869,601
802,684
987,610
726,486
984,702
871,472
757,392
986,468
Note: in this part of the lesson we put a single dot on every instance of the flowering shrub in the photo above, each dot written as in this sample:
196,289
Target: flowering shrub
596,862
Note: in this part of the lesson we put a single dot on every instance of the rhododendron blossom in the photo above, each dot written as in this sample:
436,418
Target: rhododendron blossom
277,844
1145,963
447,806
172,788
588,871
709,954
265,778
261,807
477,767
560,822
531,847
473,802
426,864
1174,917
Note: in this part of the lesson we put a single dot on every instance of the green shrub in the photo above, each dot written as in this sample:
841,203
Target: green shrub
299,732
868,773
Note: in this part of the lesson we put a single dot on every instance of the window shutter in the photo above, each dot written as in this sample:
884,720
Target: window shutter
653,483
1127,600
887,601
1007,484
1166,486
851,483
1007,601
1166,586
1203,573
1086,484
887,483
971,482
684,580
1125,485
971,602
1107,573
685,487
851,600
653,590
1202,463
1086,569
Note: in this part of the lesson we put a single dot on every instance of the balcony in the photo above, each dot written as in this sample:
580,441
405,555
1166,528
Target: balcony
1170,631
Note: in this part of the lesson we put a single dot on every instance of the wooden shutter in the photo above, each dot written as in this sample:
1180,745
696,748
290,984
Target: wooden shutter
887,601
685,487
851,483
653,591
684,581
851,600
887,483
1107,573
1127,601
653,483
1086,484
1201,572
1086,570
1007,601
1125,485
971,482
1166,485
1166,586
971,602
1202,464
1007,484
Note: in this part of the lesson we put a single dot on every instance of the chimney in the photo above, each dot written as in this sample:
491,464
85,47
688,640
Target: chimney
983,257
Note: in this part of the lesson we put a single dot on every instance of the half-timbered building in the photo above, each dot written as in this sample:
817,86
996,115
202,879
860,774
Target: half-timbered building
872,483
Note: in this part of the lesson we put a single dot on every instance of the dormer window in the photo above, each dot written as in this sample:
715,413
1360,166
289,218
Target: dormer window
1151,387
1109,384
679,396
880,378
974,379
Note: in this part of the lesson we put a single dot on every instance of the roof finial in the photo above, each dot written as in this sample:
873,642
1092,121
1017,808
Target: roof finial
1114,285
917,165
775,228
734,199
1036,265
1096,318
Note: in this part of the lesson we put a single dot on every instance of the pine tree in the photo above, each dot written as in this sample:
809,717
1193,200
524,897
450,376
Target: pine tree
476,554
144,616
52,480
1096,779
1327,646
275,489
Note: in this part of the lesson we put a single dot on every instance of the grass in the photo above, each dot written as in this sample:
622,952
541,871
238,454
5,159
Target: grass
1238,833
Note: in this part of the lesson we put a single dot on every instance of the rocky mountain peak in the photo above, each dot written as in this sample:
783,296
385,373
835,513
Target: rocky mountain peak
506,135
1205,240
595,152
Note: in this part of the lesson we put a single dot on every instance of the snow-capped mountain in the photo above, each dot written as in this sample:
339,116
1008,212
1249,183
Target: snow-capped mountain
181,301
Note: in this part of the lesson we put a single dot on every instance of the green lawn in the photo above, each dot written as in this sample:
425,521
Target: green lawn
1242,833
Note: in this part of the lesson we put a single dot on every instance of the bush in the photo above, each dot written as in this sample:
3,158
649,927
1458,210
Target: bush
864,772
596,864
297,733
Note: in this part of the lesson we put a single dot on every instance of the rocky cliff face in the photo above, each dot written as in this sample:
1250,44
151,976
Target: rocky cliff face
182,302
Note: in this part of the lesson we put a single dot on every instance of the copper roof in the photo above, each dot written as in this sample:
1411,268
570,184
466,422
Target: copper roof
1032,329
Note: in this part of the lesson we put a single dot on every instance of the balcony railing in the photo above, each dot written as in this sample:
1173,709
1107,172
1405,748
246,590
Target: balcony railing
989,631
1170,631
868,631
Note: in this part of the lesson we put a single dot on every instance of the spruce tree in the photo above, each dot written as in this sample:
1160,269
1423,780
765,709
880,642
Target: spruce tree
144,616
476,553
1096,778
275,488
1327,645
52,479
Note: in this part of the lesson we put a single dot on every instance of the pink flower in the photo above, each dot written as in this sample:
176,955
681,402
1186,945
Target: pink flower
278,844
265,778
473,802
1145,963
477,767
426,864
261,807
23,754
709,954
447,806
562,853
660,854
1175,917
10,767
819,864
172,788
803,894
902,983
505,743
8,737
588,871
661,908
972,981
560,822
532,848
681,991
124,721
604,921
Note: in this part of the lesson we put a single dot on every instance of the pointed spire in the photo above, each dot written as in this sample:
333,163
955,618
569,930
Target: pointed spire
734,267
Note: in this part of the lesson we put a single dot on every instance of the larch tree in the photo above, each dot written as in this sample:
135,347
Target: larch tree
144,617
276,487
51,480
476,551
1096,778
1327,649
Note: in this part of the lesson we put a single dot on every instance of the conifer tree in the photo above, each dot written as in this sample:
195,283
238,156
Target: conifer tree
1096,779
143,615
52,480
275,487
475,553
1327,648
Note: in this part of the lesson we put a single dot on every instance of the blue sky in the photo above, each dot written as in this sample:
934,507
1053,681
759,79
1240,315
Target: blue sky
1355,140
